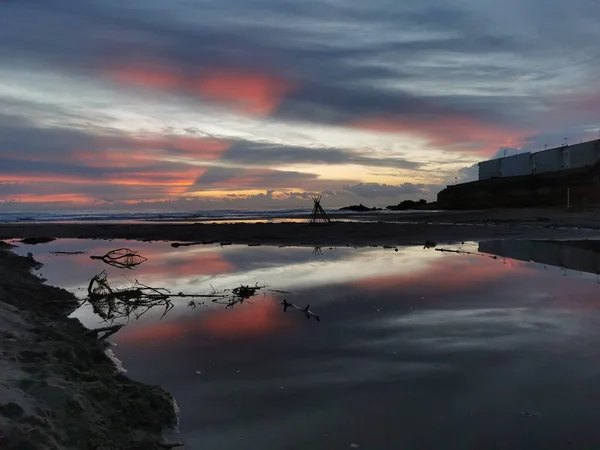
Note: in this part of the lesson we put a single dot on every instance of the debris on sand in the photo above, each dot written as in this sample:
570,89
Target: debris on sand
429,244
59,388
67,253
122,258
188,244
37,240
185,244
464,252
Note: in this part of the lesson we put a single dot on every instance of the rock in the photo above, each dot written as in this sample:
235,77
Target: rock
37,240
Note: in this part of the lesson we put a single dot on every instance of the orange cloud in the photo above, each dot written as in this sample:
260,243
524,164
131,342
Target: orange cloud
250,92
179,179
458,132
154,77
54,198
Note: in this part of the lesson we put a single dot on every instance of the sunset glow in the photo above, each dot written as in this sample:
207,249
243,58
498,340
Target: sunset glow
134,108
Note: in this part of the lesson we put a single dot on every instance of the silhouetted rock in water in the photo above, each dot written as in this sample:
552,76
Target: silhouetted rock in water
37,240
408,204
359,208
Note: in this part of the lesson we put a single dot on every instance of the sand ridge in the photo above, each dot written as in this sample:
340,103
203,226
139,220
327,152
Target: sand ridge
59,389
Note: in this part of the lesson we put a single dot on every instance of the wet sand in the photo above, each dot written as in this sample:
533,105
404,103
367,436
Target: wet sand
376,229
59,387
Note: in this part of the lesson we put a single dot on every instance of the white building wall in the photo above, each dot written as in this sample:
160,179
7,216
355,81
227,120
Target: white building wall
489,169
516,165
585,154
547,160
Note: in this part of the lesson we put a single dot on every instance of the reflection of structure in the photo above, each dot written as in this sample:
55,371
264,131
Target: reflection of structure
317,251
583,256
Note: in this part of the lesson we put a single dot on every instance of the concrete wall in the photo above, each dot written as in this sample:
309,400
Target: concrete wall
489,169
533,190
585,154
516,165
547,160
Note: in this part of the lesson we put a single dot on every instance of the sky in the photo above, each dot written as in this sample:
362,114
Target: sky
191,105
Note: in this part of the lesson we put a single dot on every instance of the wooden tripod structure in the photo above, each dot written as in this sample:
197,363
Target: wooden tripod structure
318,213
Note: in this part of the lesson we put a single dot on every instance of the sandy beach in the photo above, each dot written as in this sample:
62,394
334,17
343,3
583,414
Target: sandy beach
59,388
374,229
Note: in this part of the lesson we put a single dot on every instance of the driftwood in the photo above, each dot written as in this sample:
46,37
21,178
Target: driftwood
111,304
123,258
137,299
306,310
464,252
134,301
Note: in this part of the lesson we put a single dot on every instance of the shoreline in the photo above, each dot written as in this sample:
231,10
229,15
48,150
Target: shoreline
60,389
374,229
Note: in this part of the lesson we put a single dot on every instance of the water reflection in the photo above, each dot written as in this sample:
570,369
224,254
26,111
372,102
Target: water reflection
582,256
415,349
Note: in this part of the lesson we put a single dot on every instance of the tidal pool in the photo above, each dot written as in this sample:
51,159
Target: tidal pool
415,348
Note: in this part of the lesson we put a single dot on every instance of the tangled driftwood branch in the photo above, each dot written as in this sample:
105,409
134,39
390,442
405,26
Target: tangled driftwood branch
112,304
123,258
134,301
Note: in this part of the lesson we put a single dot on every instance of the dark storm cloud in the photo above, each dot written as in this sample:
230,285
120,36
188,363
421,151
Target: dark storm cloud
257,154
234,179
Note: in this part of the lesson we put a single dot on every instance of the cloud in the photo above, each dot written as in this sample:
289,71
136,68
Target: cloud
462,133
260,154
250,92
283,85
239,179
